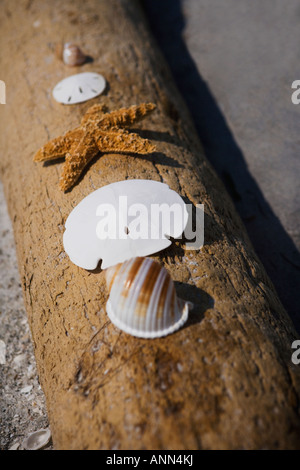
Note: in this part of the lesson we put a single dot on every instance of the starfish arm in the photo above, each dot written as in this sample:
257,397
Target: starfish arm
126,116
58,147
94,113
98,131
122,142
76,161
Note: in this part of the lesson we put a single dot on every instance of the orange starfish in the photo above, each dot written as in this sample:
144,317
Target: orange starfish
97,132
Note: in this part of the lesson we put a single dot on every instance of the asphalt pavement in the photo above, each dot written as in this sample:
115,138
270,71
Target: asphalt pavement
234,62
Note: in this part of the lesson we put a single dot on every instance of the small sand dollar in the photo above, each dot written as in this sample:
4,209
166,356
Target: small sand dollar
79,88
123,220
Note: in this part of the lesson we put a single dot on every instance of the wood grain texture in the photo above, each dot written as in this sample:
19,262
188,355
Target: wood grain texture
226,379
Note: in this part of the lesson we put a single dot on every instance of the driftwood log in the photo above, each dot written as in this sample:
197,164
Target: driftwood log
225,380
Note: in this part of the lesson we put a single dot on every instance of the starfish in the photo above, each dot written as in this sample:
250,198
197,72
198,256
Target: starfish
98,132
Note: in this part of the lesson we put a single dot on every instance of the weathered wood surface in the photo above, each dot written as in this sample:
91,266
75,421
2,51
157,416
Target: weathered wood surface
225,380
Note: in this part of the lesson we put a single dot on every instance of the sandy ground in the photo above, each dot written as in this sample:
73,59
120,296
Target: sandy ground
22,404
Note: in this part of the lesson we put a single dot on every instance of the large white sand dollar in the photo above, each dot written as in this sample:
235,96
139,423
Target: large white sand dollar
122,220
79,88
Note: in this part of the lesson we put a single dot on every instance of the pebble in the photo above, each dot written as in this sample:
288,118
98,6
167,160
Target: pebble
19,359
26,389
15,446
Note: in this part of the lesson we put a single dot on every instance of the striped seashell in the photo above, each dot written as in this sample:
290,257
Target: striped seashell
143,300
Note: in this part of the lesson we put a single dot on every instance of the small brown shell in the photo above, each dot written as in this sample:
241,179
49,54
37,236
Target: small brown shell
72,55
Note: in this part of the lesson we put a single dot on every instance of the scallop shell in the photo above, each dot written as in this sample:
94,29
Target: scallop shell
72,55
143,300
37,440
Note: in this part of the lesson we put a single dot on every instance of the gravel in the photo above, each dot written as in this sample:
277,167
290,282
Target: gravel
22,402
